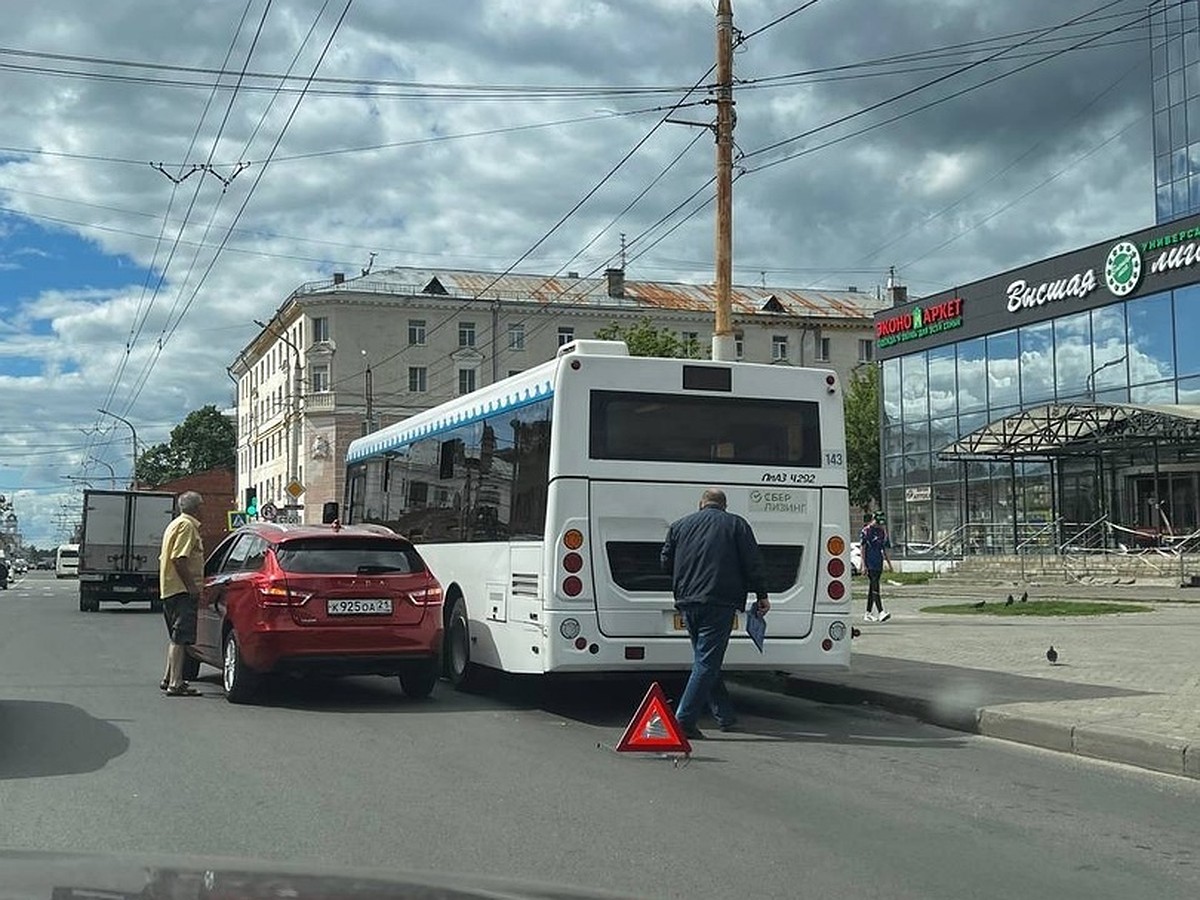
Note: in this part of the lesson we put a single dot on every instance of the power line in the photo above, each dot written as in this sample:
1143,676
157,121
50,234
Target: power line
908,92
245,202
757,31
558,224
940,100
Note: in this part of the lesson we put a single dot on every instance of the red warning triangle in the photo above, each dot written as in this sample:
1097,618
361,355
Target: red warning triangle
654,728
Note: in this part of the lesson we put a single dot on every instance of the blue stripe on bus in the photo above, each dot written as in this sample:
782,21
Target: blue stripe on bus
478,413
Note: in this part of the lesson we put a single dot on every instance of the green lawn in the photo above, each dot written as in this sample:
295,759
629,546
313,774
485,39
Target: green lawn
1039,608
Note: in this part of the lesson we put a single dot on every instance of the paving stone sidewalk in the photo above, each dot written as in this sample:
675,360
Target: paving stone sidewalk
1126,687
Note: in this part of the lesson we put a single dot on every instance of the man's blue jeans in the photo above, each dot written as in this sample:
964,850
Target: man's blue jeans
709,628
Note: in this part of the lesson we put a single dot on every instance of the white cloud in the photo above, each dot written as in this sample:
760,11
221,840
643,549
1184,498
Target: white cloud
481,202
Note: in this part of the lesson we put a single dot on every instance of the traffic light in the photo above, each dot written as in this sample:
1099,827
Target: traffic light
251,501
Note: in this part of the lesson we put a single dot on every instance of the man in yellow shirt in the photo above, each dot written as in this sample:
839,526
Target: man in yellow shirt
180,579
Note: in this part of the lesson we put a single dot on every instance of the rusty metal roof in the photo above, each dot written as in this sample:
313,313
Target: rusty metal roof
747,300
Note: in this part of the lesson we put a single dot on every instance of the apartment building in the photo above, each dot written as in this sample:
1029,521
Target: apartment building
345,356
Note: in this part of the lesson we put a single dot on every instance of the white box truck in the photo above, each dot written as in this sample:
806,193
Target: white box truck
118,553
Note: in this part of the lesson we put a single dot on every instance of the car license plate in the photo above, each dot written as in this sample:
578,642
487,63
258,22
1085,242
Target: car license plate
681,625
379,607
124,589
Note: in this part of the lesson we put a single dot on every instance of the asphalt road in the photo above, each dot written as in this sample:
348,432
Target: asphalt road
812,801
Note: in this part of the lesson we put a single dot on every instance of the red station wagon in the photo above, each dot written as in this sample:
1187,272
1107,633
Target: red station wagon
322,599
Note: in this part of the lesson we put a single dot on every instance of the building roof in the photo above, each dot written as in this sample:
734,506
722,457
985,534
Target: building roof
1075,428
461,284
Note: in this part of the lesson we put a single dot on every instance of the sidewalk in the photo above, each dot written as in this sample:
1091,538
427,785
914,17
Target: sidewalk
1126,687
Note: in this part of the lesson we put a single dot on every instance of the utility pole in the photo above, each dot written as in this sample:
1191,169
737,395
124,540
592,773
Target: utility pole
369,386
723,345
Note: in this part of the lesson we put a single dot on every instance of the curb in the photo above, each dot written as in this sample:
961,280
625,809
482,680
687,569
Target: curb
1171,756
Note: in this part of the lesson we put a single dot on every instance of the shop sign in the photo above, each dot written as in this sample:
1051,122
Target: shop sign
917,494
1023,295
919,322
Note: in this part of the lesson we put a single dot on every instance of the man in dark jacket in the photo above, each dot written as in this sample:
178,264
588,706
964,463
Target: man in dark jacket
714,563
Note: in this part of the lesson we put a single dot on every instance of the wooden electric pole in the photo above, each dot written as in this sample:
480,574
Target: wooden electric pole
723,345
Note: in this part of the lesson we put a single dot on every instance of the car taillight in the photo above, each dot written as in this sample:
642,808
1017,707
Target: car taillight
275,593
427,596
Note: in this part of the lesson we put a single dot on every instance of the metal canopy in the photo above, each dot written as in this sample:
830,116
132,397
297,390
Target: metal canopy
1071,429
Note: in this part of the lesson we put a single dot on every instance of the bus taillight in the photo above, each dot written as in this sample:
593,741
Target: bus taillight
837,590
572,586
836,567
572,562
836,545
573,539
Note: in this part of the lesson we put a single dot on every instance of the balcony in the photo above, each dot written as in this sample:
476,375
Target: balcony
324,401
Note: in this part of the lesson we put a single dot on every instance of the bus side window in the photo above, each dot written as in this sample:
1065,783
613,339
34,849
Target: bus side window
449,450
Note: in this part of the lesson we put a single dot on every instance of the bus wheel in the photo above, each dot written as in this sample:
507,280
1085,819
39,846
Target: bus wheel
463,673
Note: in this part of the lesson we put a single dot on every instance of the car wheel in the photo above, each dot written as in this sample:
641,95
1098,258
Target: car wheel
418,681
191,668
461,672
237,680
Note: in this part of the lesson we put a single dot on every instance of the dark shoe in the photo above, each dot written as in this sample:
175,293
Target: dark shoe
163,685
182,691
692,733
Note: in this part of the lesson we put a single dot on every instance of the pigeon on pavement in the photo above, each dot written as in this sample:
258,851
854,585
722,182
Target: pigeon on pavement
1009,601
1052,655
1024,596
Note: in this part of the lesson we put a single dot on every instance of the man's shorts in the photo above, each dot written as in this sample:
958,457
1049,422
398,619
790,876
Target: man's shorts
179,610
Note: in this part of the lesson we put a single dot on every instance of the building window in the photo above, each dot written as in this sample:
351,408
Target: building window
516,337
466,334
416,332
320,329
566,334
823,349
416,379
466,381
779,347
866,351
739,345
320,379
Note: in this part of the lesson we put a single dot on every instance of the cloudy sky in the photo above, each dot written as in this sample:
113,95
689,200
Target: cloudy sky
949,138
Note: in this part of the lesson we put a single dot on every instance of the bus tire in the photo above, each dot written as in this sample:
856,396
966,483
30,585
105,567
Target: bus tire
461,672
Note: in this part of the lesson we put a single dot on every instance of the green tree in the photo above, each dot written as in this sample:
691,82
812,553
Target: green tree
643,339
862,436
206,439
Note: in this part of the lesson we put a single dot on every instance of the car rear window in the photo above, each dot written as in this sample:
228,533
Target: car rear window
349,556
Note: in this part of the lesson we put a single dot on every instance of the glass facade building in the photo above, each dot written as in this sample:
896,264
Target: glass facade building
1175,70
1116,323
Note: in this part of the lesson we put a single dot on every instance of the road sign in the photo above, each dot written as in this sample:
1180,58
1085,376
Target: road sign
294,489
268,512
654,728
236,518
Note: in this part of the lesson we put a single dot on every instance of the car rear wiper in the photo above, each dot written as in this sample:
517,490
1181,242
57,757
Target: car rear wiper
378,570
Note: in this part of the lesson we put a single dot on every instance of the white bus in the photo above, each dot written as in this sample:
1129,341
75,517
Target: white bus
66,561
541,503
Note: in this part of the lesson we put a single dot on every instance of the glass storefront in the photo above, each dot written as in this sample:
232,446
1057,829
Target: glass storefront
1144,350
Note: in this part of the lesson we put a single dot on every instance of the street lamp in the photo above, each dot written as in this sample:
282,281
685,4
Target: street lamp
112,475
133,432
1091,379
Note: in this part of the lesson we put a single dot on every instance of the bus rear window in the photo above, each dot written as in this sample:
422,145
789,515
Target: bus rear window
691,429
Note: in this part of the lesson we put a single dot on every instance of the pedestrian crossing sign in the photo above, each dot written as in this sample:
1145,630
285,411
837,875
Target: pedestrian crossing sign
654,728
236,518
